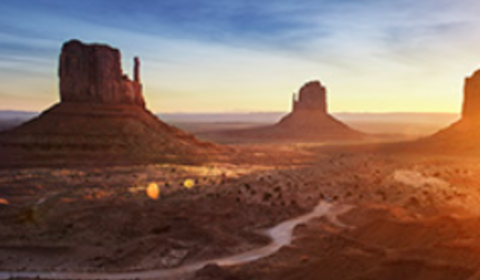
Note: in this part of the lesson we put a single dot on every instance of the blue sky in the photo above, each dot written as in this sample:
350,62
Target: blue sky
218,56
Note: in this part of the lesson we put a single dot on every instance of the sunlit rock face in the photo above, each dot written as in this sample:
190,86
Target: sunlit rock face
312,96
93,74
471,98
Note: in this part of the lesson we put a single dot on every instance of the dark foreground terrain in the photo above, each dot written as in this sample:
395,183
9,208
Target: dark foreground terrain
414,216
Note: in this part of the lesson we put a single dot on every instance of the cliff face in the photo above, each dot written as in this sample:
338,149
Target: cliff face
312,96
309,121
463,136
471,98
93,74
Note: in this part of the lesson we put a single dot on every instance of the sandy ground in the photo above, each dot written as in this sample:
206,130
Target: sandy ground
414,216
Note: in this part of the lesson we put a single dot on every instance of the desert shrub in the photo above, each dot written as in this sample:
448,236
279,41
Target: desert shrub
267,196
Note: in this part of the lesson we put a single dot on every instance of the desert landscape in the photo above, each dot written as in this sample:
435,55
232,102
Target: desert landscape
100,185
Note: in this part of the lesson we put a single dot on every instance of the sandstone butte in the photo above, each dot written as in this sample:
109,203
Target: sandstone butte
101,118
308,121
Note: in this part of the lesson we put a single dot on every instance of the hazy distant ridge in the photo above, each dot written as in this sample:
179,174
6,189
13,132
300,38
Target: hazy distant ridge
272,117
267,117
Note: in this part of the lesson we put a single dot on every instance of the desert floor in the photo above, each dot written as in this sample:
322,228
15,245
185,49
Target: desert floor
412,216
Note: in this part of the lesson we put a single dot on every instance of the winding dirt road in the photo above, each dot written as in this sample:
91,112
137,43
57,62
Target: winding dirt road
281,235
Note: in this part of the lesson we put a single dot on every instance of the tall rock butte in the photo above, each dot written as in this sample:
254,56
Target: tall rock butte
101,118
309,121
463,136
312,96
93,74
471,98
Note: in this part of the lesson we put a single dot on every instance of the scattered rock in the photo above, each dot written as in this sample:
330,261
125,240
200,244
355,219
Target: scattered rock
174,257
214,272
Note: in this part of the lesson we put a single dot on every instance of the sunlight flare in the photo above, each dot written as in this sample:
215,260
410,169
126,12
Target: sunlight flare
189,183
153,191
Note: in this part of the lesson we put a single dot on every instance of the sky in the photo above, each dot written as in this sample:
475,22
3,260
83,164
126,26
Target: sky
250,55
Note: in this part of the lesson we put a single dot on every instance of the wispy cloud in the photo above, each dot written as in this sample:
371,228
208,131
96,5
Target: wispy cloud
227,48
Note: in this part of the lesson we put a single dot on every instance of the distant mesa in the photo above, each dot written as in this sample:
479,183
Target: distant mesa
312,96
309,121
101,118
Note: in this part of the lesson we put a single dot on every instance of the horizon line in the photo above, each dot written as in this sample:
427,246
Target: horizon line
262,112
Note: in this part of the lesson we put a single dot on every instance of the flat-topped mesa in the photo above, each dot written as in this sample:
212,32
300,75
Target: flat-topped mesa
92,73
471,98
312,96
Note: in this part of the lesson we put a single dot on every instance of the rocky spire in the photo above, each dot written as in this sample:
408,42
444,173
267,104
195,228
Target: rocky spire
136,69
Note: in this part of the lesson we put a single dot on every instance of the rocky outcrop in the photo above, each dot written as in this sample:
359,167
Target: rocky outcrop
100,119
471,98
93,74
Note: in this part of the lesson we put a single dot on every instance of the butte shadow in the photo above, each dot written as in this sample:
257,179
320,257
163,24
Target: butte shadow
101,119
309,121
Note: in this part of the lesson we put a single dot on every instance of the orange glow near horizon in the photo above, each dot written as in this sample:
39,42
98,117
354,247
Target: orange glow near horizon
380,56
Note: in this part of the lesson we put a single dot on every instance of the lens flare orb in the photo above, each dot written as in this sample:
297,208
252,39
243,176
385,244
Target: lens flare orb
189,183
153,191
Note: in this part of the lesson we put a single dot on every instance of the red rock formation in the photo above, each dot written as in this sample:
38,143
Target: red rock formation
471,98
312,96
309,121
136,70
463,136
101,119
93,74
